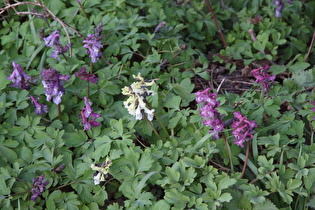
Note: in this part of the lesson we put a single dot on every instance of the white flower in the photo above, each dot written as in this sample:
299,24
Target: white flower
137,93
97,178
102,171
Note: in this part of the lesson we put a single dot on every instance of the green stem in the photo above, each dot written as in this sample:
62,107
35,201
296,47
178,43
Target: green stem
162,125
228,150
88,89
91,72
59,111
82,9
154,130
70,183
160,121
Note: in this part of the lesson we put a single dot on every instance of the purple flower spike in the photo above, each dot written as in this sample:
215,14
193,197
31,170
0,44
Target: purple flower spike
85,76
93,45
88,116
39,186
53,82
262,77
279,4
53,41
313,108
242,129
209,112
39,108
19,78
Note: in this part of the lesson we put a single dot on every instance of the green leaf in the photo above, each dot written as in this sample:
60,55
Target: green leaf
117,126
172,101
177,198
3,80
145,162
4,190
141,184
311,203
161,204
225,197
226,182
265,205
74,139
8,153
292,184
304,78
199,143
184,91
258,46
143,200
26,154
295,68
172,174
55,6
277,69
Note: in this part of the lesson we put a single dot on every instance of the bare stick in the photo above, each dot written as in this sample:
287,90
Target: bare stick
216,22
53,16
310,48
246,159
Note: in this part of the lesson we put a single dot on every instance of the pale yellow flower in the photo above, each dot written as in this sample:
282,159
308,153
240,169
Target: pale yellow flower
103,171
137,93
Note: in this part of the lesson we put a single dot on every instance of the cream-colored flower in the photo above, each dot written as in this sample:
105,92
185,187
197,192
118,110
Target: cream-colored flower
102,171
137,93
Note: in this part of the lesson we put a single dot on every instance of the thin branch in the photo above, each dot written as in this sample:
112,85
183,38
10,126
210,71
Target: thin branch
216,22
50,13
246,159
310,48
61,23
32,13
2,10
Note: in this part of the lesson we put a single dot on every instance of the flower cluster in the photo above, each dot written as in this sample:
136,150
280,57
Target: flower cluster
262,77
39,108
279,4
53,41
53,82
102,171
85,76
136,103
93,44
39,186
19,78
242,129
88,116
209,111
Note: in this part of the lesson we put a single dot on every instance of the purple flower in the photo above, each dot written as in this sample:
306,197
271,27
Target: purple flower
161,25
93,45
88,116
313,108
209,111
39,108
279,4
262,77
53,82
53,41
39,186
85,76
19,78
242,129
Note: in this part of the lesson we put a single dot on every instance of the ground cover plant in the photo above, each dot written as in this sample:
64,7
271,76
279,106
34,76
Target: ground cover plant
157,104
